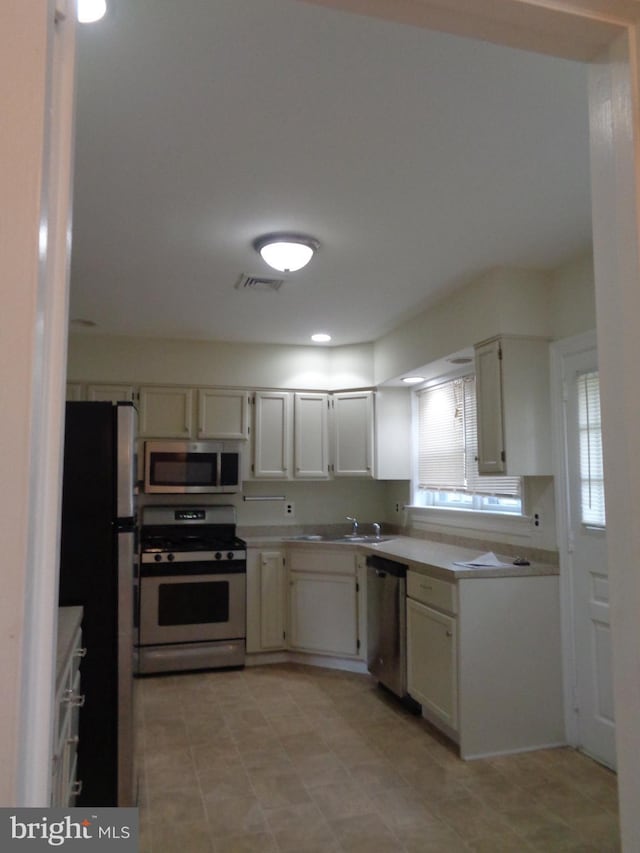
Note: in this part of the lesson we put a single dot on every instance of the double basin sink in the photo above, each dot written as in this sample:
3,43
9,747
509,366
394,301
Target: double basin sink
347,537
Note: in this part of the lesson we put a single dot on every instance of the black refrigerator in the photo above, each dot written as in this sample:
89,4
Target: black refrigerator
98,570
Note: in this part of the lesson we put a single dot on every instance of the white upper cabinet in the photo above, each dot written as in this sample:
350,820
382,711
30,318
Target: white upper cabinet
311,444
272,435
166,412
513,407
353,434
110,393
223,413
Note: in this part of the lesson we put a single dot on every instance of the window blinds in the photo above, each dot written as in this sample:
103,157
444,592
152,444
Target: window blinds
448,442
590,442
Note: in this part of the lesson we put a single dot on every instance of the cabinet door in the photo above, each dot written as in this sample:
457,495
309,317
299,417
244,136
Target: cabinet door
266,596
489,409
272,599
223,413
352,421
272,435
323,613
166,412
310,441
432,661
110,393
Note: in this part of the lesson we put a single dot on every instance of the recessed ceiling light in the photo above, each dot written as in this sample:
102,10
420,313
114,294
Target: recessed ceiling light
91,10
412,380
321,337
286,252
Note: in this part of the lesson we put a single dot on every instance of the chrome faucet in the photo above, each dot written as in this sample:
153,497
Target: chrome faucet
354,524
376,529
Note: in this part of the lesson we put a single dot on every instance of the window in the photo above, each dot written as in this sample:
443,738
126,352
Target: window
590,442
447,470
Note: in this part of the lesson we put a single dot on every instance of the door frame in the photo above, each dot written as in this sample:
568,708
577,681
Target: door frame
606,33
559,350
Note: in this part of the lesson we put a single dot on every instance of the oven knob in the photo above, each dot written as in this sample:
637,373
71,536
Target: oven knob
157,557
171,557
229,555
218,555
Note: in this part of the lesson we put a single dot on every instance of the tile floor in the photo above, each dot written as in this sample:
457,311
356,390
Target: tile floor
295,758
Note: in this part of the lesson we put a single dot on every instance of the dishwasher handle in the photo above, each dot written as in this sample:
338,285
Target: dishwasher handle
384,567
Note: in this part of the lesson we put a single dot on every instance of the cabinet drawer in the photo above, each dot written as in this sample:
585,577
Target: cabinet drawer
432,591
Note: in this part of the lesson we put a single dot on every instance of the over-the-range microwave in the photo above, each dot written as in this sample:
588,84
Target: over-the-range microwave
186,467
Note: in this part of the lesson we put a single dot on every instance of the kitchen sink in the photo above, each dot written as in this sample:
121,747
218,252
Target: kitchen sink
347,537
350,537
306,538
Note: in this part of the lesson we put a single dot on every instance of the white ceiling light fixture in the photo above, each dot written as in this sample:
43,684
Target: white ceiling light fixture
321,338
90,11
286,252
412,380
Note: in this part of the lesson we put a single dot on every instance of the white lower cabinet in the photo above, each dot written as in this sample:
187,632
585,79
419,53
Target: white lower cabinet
266,597
432,661
323,602
484,660
65,787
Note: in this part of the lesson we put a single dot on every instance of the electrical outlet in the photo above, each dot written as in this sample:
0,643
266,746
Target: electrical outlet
537,520
289,508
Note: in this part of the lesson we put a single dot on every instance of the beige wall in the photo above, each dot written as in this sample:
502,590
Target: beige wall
107,358
572,297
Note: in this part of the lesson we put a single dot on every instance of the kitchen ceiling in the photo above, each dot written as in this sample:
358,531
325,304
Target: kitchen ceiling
418,160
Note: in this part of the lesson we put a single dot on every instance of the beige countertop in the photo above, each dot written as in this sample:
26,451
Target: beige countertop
421,555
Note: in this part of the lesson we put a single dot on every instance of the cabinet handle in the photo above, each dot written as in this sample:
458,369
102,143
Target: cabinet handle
425,587
449,633
73,699
80,653
76,788
73,740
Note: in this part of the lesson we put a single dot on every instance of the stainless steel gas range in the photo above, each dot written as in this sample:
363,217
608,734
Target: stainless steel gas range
192,589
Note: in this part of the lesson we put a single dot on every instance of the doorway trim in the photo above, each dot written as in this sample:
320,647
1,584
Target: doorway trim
559,350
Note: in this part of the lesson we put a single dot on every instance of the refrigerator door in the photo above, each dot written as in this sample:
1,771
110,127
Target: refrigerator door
126,420
127,793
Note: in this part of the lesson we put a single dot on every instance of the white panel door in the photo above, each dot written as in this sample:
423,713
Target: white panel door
311,443
272,448
352,433
323,613
587,549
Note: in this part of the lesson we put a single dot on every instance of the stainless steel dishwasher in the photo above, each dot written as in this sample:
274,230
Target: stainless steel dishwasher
386,623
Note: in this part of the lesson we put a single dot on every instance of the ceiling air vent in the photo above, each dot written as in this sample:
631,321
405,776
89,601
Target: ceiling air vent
257,282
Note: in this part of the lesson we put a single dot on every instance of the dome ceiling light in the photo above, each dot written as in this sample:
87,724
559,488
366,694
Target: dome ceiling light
412,380
286,252
320,338
90,11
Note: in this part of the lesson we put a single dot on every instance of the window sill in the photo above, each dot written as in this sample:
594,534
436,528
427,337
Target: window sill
469,520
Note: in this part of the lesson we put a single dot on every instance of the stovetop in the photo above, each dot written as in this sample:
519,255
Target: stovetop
157,542
194,528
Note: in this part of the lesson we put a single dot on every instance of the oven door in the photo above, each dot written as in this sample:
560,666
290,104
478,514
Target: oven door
192,608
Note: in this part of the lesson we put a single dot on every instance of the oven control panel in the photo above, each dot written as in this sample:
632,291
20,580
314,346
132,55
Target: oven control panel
192,556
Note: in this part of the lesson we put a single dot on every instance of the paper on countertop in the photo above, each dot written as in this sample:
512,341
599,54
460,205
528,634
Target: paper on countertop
488,560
